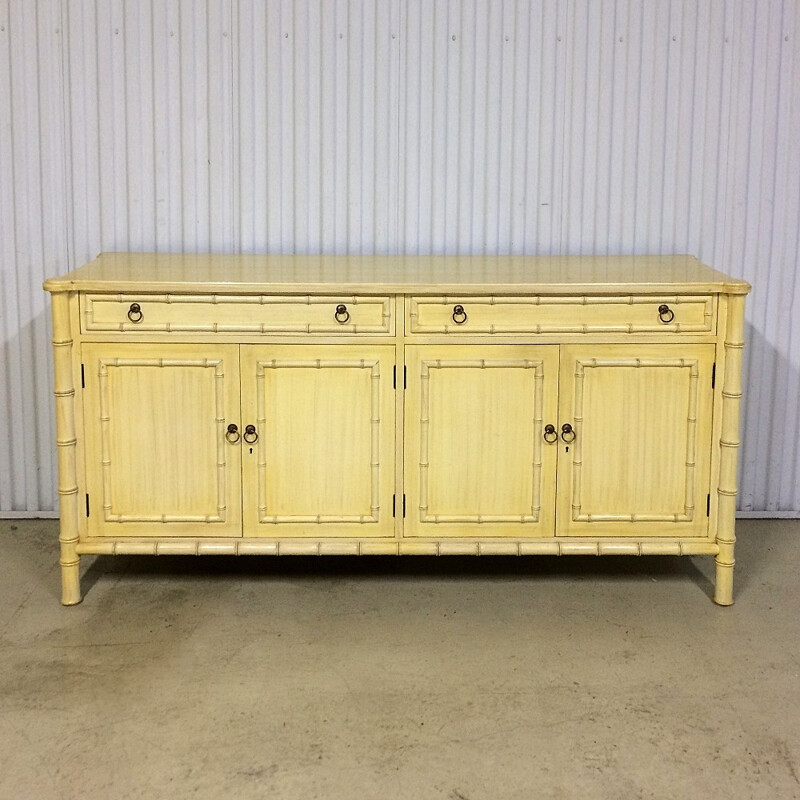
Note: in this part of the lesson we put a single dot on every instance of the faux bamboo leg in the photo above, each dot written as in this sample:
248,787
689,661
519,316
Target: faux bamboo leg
729,444
66,441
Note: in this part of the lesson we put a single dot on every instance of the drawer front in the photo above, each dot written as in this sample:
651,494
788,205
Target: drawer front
265,314
553,314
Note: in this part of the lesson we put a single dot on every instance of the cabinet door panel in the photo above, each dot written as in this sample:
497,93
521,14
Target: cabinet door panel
476,463
639,463
157,461
323,464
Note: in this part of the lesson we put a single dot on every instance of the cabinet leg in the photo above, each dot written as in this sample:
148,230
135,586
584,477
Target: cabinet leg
729,449
723,588
66,440
70,580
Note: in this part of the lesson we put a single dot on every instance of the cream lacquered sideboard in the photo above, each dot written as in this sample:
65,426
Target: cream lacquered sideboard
397,405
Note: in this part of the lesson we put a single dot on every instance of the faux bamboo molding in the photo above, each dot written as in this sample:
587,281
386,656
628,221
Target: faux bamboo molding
424,423
66,442
375,421
729,451
691,437
247,312
549,314
430,416
444,547
105,420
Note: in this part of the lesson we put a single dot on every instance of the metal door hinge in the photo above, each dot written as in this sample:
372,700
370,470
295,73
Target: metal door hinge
83,376
394,503
394,376
708,505
405,374
713,376
404,506
87,505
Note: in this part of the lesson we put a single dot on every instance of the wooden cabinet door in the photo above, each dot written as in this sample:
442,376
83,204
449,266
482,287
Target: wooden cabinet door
323,461
476,461
639,462
157,459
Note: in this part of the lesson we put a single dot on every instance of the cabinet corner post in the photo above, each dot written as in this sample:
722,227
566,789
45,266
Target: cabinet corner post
729,450
66,442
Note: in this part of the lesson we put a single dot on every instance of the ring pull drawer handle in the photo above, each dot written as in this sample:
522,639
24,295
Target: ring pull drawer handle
232,434
550,430
665,313
250,434
135,313
341,315
567,433
459,315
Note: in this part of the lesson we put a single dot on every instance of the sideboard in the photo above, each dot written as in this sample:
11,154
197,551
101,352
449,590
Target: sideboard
374,405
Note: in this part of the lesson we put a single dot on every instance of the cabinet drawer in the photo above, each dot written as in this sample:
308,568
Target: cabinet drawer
267,314
562,314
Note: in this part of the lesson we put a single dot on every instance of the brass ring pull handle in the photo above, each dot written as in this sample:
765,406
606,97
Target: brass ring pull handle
232,434
665,313
550,430
567,431
341,315
459,315
135,313
250,435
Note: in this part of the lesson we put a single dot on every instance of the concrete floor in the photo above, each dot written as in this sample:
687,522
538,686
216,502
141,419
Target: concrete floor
457,678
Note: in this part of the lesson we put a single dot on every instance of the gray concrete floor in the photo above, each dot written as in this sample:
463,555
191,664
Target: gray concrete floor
456,678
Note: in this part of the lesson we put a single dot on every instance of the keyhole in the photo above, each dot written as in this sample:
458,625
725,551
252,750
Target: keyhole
567,449
251,451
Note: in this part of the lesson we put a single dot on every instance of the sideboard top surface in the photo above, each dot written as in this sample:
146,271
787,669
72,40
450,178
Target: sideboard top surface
179,272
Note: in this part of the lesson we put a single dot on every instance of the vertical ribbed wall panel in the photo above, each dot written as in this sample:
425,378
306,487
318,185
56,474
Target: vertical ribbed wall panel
762,245
317,94
483,90
151,125
32,245
644,126
416,126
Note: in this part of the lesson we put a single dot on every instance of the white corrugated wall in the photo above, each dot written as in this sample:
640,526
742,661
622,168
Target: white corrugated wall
415,126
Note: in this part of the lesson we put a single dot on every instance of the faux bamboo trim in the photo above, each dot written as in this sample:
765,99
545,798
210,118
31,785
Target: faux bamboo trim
66,444
560,299
586,328
691,452
729,451
221,327
564,300
480,519
91,324
241,299
105,437
402,547
318,519
374,366
424,421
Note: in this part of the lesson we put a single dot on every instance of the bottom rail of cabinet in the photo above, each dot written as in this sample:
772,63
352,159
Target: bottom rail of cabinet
556,547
